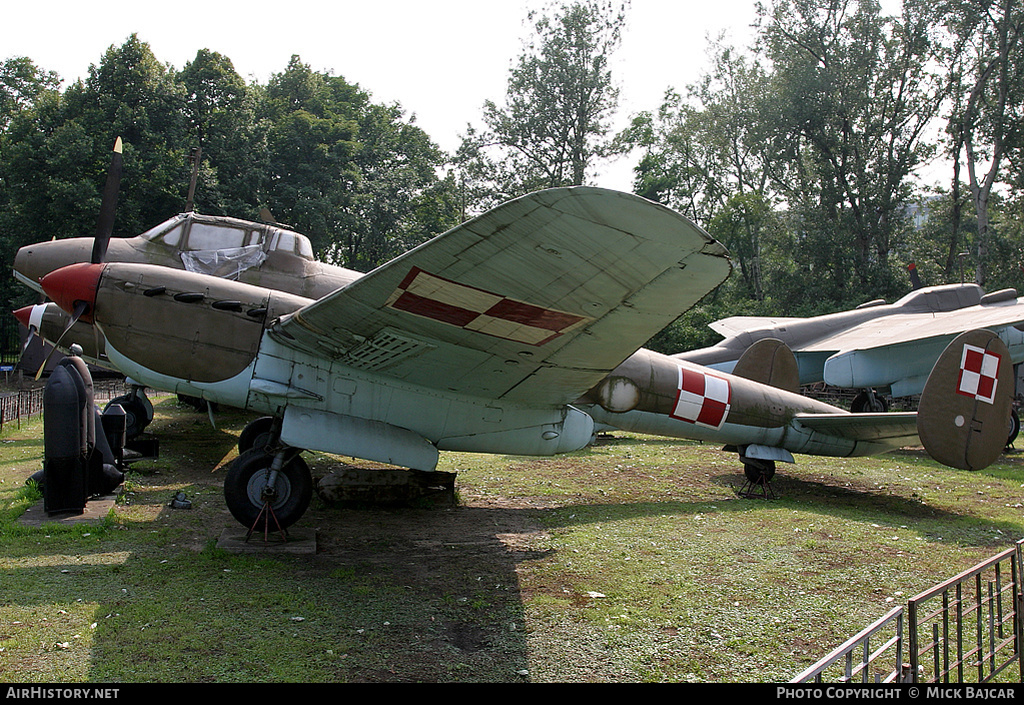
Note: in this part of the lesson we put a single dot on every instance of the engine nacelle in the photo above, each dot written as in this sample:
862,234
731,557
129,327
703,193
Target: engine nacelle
189,326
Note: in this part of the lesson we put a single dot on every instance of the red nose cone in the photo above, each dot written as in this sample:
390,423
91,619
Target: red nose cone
74,284
24,315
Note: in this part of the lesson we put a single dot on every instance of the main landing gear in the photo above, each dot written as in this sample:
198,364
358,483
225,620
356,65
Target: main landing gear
268,486
868,401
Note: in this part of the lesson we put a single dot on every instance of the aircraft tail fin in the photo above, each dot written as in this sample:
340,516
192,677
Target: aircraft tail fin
963,418
769,361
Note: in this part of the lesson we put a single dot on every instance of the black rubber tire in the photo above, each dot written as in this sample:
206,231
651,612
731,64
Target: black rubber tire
256,434
1014,428
248,475
759,472
869,403
136,415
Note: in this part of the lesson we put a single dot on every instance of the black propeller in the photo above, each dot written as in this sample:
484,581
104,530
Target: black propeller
105,224
104,228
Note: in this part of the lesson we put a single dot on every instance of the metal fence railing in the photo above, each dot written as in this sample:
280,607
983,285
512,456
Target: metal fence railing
862,659
25,403
964,630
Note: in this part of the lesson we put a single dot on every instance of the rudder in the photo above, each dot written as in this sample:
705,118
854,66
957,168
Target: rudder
964,412
769,361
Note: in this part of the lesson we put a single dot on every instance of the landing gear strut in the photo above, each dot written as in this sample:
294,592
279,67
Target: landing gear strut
269,485
759,474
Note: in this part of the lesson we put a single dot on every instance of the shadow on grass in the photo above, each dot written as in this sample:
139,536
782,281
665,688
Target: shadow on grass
797,494
392,595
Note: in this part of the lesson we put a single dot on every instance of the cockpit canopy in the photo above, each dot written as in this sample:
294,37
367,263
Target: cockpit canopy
195,232
946,297
225,247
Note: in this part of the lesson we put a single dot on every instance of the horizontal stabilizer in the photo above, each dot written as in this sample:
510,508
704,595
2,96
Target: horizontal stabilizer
964,414
893,429
734,325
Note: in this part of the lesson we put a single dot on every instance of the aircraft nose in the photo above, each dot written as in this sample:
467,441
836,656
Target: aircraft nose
24,265
72,285
33,262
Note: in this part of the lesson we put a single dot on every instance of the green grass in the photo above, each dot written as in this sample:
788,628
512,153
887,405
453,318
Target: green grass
635,560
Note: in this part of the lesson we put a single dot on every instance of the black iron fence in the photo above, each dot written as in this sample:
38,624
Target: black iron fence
23,404
964,630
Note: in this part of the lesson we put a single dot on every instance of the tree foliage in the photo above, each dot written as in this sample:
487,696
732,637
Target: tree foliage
821,126
981,46
799,152
358,177
555,121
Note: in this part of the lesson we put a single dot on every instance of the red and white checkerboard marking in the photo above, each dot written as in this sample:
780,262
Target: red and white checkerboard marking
430,296
703,399
978,374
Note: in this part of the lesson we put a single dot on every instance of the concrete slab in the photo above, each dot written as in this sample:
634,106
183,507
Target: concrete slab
295,541
96,510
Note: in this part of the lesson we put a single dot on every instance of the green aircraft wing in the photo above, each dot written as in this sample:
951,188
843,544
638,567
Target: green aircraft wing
534,301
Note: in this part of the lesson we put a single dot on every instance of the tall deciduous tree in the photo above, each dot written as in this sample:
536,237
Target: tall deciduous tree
353,175
560,99
132,95
984,56
222,125
854,98
21,82
703,146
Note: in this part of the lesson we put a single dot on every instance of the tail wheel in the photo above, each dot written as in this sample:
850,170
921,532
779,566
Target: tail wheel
1014,428
759,472
249,489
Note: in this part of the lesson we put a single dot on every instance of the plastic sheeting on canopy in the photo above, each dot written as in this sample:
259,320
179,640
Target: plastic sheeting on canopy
227,263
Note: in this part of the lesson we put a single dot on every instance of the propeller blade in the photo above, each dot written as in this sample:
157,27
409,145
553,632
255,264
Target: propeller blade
80,308
24,316
105,225
28,341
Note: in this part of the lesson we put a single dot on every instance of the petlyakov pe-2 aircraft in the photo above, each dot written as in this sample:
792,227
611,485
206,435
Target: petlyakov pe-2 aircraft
517,332
264,254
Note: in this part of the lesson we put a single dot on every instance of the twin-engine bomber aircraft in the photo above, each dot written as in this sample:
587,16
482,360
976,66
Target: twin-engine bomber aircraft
516,332
510,334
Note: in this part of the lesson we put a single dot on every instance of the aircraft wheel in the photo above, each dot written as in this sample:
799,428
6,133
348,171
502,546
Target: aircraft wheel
1014,427
869,402
136,414
256,434
759,472
246,489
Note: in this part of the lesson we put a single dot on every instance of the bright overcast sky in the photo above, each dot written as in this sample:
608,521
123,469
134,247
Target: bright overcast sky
441,59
